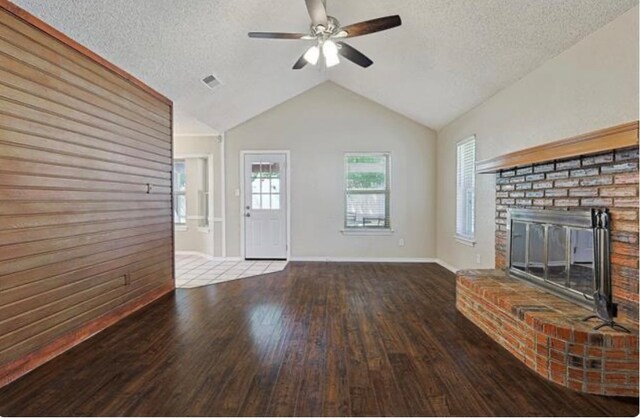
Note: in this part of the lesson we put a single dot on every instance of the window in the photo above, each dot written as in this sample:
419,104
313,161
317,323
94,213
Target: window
265,186
465,190
203,193
367,191
179,192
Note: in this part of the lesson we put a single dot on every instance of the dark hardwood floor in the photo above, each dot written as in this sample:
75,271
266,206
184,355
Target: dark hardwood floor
315,339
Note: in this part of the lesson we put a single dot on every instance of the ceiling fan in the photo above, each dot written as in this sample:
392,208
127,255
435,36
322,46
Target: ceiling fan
325,29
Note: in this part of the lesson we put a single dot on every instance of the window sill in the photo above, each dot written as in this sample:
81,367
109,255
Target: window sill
204,230
367,231
180,227
467,241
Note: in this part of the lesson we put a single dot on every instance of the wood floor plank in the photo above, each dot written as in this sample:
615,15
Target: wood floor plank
315,339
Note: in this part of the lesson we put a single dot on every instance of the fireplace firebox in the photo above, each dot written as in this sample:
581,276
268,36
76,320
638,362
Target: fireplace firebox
566,253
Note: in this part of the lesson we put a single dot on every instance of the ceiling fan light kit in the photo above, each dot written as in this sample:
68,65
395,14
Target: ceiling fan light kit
312,55
330,52
325,29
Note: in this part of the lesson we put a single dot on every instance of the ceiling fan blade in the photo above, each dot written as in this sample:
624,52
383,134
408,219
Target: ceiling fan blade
277,35
300,63
317,11
353,55
371,26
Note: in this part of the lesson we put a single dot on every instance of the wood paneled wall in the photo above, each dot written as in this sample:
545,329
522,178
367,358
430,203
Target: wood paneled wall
86,232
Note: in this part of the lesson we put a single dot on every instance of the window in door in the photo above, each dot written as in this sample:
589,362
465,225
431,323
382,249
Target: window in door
367,191
265,186
179,192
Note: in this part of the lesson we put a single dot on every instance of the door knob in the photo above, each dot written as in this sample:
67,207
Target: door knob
247,214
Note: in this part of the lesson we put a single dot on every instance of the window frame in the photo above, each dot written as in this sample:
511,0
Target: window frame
204,194
460,236
368,230
177,193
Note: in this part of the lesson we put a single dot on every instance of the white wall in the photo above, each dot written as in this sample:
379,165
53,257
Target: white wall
318,127
207,241
592,85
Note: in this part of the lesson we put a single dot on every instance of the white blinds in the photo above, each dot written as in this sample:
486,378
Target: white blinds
465,188
367,190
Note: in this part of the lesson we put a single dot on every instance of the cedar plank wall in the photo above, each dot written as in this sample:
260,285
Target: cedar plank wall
82,243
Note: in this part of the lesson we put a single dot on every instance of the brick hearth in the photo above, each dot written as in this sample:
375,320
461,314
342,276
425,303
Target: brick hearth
545,331
547,334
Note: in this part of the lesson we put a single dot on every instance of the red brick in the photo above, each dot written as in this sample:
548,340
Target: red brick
580,336
554,193
575,385
566,203
596,202
629,226
557,356
624,214
626,249
624,260
593,351
585,192
626,191
576,349
558,367
595,181
614,378
558,344
625,178
564,333
620,391
594,388
598,159
576,373
566,183
593,377
620,167
593,171
626,203
629,366
560,378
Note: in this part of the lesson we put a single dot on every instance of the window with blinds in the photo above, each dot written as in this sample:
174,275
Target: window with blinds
465,189
367,191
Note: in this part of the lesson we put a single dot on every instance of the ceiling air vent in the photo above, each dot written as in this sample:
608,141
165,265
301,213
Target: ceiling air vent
211,81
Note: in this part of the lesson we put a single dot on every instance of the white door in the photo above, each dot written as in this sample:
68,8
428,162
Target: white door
265,210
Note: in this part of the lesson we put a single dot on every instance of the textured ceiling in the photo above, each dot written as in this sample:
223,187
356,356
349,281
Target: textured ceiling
447,57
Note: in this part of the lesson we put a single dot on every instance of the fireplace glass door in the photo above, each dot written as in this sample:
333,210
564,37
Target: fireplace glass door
556,256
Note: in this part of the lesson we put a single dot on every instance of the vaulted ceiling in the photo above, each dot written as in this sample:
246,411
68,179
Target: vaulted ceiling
447,57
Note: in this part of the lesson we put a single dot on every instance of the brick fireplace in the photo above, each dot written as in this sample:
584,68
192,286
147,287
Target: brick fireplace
543,330
607,180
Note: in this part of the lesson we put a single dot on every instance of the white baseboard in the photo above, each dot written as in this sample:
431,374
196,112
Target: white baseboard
359,259
193,253
446,265
206,256
333,259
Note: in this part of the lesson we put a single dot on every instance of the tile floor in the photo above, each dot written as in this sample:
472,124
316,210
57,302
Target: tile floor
197,271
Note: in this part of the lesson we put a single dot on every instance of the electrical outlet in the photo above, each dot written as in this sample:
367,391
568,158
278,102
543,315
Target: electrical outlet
401,242
237,191
478,258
